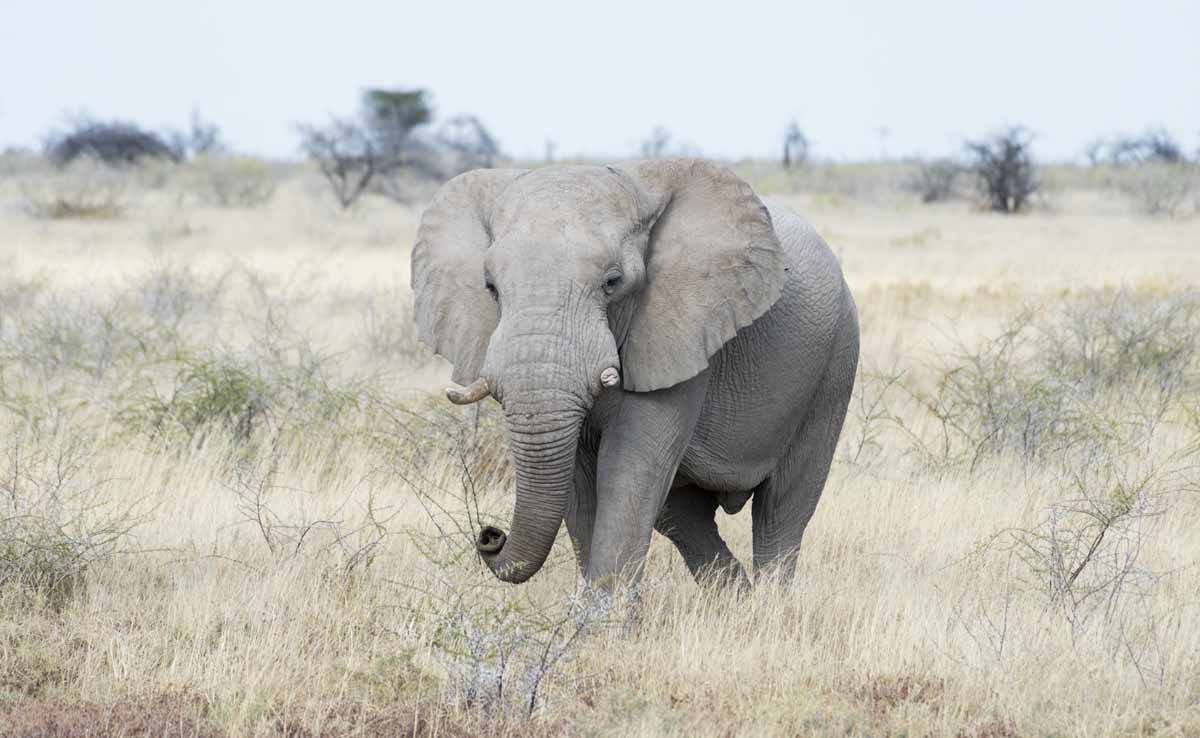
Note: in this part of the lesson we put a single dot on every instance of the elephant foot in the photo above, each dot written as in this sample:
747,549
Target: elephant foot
595,608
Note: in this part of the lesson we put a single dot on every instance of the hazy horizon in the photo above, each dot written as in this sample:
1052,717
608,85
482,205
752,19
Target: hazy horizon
931,73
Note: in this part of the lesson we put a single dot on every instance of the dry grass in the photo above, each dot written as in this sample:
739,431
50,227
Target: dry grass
241,386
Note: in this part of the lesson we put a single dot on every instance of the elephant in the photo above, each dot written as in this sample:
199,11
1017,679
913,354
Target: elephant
662,344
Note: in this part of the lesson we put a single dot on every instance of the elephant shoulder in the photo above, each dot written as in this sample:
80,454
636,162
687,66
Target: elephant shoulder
799,239
813,269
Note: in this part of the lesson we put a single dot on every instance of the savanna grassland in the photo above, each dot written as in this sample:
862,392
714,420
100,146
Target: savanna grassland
233,503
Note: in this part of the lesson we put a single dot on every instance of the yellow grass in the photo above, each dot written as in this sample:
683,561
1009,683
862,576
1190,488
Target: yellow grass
913,613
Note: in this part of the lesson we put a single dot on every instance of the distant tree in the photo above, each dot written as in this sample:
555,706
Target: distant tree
116,143
1156,145
391,117
469,142
656,144
795,145
347,155
1162,147
1004,169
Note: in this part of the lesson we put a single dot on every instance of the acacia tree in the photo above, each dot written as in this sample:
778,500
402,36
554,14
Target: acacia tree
391,117
1003,167
354,155
347,155
1154,146
389,141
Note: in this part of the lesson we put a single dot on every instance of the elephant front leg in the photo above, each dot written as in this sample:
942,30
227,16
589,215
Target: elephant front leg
642,442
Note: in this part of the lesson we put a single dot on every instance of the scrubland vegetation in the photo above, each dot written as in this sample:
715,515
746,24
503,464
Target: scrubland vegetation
232,501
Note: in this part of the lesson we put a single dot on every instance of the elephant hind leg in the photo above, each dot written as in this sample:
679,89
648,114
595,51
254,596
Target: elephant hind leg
688,519
785,501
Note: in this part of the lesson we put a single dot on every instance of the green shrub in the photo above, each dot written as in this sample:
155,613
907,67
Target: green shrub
217,391
239,394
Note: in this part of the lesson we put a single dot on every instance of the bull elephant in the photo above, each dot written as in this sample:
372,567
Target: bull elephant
662,344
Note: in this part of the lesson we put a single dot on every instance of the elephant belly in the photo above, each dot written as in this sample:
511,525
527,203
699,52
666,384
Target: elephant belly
762,383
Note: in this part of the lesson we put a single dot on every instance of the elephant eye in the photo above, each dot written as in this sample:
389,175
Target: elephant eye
611,282
491,288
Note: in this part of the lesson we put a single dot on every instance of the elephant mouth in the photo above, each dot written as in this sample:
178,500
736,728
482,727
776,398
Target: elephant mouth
490,541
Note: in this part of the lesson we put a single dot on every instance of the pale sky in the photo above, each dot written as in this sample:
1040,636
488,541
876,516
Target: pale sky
596,77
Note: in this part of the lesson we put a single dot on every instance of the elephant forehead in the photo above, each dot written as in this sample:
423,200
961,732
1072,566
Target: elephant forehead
564,202
570,255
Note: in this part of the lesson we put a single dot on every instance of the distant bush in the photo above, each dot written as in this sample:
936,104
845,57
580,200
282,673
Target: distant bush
1104,366
85,189
1004,170
1160,189
1155,146
935,180
235,182
116,143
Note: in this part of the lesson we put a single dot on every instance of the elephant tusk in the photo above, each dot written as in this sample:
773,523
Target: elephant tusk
473,392
610,377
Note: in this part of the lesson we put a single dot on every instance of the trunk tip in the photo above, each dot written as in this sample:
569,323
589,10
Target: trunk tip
490,541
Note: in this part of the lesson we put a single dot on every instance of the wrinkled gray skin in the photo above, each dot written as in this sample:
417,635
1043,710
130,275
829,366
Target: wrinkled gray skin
731,327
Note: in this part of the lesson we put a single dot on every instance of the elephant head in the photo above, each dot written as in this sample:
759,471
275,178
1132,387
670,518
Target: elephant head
545,288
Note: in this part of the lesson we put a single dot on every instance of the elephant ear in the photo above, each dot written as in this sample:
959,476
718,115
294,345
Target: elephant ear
713,266
455,314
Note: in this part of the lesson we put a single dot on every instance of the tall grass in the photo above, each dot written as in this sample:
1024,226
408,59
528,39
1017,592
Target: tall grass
219,516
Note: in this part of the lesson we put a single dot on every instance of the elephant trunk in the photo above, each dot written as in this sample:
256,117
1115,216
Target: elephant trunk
542,447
